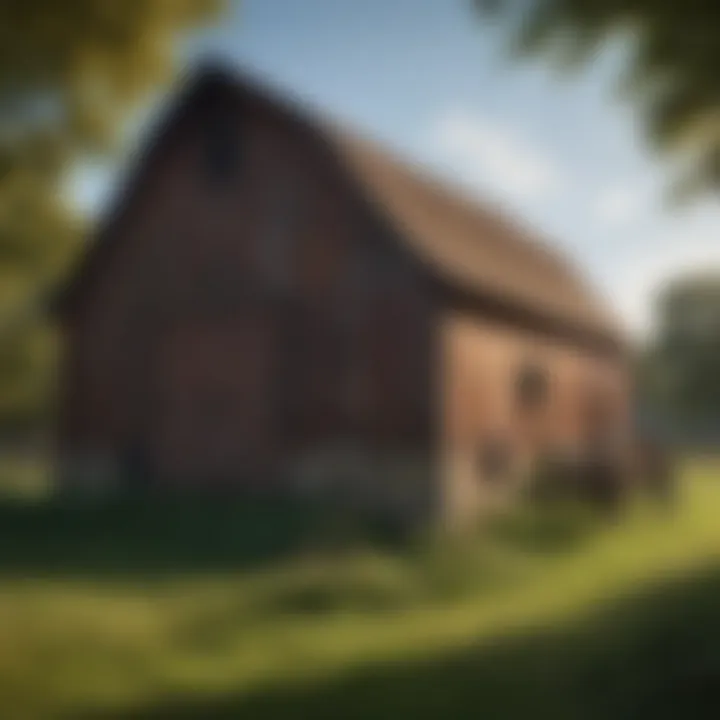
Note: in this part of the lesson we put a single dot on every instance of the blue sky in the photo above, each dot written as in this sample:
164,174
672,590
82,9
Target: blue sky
434,82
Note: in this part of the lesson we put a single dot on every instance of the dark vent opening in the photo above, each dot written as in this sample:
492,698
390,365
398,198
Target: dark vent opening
221,146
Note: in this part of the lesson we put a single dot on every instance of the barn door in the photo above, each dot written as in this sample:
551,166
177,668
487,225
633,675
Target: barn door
214,424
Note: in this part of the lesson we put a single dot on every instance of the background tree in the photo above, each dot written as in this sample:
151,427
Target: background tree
673,74
70,73
679,372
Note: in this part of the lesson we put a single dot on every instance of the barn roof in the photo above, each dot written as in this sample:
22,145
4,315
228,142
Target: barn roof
474,248
479,249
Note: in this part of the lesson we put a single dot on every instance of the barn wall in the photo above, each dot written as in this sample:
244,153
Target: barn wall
482,362
264,329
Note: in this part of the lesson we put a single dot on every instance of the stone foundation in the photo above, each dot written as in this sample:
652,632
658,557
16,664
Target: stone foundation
399,484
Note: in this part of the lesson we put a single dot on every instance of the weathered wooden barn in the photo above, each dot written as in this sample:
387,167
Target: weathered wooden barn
277,305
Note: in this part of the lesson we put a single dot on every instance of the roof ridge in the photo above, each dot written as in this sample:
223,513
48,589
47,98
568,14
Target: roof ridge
478,248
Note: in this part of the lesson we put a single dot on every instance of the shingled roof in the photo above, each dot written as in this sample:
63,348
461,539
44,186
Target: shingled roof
469,246
477,248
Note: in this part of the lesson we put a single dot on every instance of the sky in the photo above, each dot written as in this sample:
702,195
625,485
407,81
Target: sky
435,83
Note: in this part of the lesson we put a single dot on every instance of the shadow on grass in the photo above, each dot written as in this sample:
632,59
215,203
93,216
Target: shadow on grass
656,655
137,536
141,536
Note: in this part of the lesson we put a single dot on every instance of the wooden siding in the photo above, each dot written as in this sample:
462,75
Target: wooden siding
236,328
482,360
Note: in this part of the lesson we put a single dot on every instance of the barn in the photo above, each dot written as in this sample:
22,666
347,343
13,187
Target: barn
277,305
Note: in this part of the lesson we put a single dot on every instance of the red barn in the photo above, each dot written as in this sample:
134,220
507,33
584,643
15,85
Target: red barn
277,305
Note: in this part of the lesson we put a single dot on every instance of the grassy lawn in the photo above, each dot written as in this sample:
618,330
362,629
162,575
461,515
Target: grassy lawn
174,611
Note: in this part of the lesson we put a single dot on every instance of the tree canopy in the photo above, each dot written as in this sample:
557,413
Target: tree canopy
69,75
673,73
680,369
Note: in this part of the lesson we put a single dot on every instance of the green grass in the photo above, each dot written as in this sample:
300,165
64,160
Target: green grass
224,611
23,476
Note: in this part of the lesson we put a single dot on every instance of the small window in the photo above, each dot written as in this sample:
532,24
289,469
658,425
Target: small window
221,147
532,387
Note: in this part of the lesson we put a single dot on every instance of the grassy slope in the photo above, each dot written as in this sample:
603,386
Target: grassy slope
617,622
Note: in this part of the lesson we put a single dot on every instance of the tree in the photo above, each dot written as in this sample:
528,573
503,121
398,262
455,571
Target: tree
679,371
673,76
69,75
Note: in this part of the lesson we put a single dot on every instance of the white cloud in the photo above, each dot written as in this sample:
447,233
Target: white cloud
494,157
622,202
640,280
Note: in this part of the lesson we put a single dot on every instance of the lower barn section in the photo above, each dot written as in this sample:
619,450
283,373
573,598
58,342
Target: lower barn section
397,484
516,401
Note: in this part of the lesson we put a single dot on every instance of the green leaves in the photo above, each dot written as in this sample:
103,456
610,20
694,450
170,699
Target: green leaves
679,372
96,57
70,74
672,77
